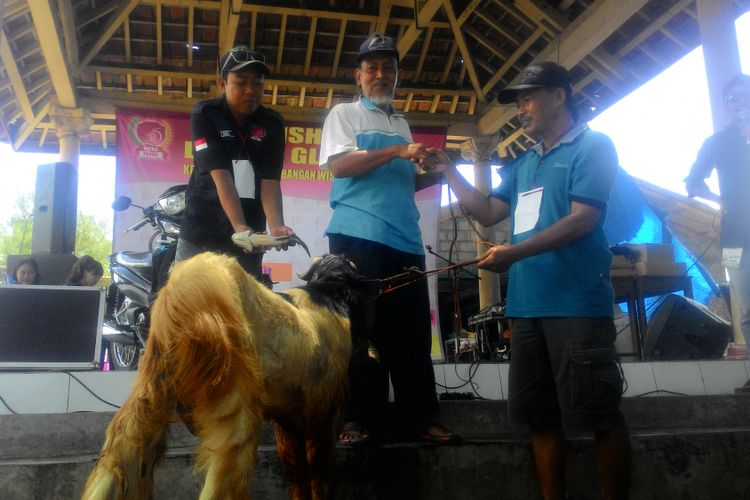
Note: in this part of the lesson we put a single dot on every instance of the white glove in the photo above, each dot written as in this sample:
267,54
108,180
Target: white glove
251,241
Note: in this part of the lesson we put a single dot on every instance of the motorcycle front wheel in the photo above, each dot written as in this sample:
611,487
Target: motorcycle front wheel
124,356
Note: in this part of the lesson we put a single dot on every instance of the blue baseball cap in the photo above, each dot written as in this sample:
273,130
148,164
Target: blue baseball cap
377,43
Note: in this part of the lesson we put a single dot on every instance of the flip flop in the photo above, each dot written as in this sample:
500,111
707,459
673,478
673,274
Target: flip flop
362,439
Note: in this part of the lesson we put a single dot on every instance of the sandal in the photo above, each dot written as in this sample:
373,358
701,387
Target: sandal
437,434
354,435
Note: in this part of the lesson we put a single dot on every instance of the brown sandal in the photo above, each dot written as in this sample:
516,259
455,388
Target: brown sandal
444,436
357,435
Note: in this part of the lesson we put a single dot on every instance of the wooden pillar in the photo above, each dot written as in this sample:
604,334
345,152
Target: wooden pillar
489,283
70,124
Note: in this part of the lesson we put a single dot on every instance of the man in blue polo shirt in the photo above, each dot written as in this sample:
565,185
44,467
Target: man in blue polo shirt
368,148
563,371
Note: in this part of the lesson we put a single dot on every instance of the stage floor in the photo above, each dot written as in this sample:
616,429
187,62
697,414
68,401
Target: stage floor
30,392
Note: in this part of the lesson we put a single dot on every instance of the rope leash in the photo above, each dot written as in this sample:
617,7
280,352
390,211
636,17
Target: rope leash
413,275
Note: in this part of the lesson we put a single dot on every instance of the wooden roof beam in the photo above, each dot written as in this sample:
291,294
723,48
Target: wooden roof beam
492,23
115,20
543,15
190,36
230,11
565,5
449,63
283,82
385,14
550,18
29,127
423,54
468,63
510,61
582,36
664,31
339,47
280,50
424,16
486,43
97,14
681,6
310,44
67,19
14,76
49,40
253,29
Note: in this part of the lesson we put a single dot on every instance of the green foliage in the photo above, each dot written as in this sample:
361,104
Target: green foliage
15,235
93,236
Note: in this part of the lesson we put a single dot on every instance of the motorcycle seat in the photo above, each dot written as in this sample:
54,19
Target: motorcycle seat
134,259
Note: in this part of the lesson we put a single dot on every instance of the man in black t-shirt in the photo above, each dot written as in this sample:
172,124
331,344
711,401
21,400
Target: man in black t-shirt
728,151
238,150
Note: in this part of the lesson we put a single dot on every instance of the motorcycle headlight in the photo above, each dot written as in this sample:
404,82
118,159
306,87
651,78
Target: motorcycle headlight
173,205
171,229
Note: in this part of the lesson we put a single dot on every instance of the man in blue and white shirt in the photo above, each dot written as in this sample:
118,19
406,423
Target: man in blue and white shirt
368,148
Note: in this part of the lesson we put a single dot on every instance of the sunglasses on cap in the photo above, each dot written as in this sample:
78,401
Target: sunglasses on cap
240,55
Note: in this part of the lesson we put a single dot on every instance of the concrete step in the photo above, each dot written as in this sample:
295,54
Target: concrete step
681,465
50,435
686,448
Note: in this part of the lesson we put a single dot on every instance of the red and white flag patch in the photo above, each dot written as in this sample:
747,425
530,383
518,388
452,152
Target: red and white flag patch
200,144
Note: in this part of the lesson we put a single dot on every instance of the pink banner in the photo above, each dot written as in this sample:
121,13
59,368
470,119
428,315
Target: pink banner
153,146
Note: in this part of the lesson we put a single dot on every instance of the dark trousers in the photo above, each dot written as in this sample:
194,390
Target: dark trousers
398,325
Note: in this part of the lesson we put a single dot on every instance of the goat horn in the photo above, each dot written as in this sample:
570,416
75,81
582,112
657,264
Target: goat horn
313,264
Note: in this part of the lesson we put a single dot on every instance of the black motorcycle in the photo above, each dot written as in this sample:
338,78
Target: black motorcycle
137,276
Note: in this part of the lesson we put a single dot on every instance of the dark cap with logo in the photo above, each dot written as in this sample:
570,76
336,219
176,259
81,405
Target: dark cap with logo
377,43
241,57
537,75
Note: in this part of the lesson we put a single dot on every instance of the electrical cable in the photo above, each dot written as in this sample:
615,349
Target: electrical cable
89,390
660,390
5,403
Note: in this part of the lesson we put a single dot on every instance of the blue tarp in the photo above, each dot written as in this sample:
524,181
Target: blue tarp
631,220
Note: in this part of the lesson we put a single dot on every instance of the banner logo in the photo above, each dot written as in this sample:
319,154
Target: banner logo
151,137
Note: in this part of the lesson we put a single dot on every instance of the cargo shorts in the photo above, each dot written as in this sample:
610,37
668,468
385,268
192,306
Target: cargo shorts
564,370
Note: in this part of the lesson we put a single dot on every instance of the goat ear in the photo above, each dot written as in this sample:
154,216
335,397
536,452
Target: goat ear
313,265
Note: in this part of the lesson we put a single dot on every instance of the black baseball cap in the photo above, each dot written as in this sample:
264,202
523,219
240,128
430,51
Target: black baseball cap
240,57
537,75
377,43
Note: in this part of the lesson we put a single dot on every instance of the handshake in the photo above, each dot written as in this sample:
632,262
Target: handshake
432,160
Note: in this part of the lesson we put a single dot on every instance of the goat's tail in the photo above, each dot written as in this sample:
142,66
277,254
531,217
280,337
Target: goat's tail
136,438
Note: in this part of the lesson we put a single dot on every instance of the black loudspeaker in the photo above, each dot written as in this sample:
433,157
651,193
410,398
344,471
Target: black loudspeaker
682,328
55,205
50,327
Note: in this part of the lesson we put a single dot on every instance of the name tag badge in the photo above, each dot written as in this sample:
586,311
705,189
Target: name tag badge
244,178
526,214
731,257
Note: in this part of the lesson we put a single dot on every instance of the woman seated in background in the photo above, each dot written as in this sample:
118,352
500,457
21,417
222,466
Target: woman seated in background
25,273
87,271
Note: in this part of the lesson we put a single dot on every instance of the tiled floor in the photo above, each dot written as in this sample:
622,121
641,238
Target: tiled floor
693,378
63,392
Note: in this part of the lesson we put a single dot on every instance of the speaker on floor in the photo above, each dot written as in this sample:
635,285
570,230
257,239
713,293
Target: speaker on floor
682,328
